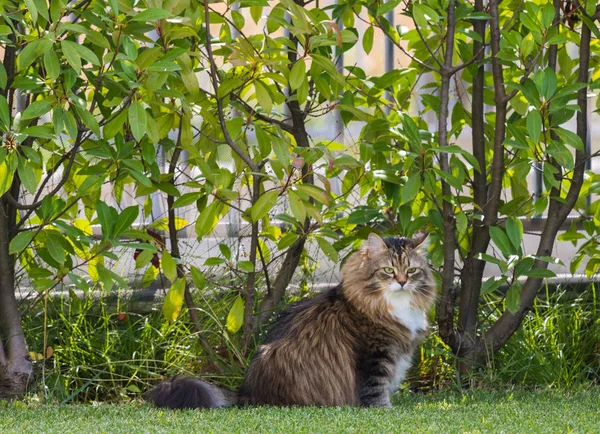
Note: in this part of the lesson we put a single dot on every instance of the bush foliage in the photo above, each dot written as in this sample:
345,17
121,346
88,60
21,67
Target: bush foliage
93,92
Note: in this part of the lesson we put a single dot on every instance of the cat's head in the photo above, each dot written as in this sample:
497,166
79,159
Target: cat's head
391,268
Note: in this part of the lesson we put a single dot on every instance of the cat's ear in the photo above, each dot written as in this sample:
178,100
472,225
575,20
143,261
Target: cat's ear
374,245
420,241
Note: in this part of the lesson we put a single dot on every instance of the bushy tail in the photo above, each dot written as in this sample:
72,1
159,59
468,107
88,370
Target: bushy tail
186,392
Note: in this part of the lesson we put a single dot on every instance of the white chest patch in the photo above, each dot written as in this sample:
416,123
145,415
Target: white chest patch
402,366
401,308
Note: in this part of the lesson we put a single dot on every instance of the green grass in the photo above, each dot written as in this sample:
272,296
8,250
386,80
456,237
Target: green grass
481,411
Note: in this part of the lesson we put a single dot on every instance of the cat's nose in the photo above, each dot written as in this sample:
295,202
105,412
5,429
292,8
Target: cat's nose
402,282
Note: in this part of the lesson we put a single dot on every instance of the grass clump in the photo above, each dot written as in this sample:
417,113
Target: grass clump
99,351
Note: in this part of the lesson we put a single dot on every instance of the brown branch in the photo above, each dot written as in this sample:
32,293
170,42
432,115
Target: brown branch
250,290
493,203
404,51
72,153
446,311
175,253
507,324
12,335
213,76
253,113
444,65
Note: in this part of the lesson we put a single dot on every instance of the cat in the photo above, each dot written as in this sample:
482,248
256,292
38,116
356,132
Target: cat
349,346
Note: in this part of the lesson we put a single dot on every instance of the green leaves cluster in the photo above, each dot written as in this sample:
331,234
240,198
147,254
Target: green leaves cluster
113,87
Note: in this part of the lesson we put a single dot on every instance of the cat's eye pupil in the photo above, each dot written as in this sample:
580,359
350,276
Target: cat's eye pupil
388,270
411,270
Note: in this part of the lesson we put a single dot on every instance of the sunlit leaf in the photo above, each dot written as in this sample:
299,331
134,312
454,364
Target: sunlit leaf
235,318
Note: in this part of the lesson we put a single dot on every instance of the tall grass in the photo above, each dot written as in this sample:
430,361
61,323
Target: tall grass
558,344
103,352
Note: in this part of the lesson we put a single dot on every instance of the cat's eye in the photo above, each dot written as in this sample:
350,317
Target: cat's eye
388,270
411,270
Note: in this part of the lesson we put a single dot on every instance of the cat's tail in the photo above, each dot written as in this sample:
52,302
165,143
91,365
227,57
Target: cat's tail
186,392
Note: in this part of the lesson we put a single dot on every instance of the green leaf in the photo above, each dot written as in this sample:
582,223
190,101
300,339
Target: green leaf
54,246
144,258
6,177
174,299
423,14
225,251
52,65
84,52
151,14
263,205
235,318
211,262
20,242
115,125
534,125
492,284
264,142
297,207
207,220
89,121
36,109
198,278
186,199
297,74
328,249
105,214
125,219
79,282
32,51
501,241
514,229
137,120
246,266
540,272
513,298
411,188
27,175
569,138
3,76
262,96
4,113
72,55
367,41
31,6
149,276
168,266
387,7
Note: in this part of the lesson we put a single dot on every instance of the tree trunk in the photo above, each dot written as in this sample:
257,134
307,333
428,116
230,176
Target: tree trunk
16,370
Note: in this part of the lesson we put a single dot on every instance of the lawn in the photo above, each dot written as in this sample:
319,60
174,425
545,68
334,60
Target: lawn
513,412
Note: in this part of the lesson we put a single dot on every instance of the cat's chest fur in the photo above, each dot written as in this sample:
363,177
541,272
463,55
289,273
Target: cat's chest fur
400,306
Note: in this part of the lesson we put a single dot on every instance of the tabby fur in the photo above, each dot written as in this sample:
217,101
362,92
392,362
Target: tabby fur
348,346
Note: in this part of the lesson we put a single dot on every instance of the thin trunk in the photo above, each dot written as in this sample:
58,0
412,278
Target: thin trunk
16,369
250,290
292,257
471,350
446,311
508,323
175,253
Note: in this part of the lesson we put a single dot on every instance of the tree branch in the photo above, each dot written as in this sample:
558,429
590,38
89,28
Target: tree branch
493,203
72,153
213,76
507,324
175,253
446,311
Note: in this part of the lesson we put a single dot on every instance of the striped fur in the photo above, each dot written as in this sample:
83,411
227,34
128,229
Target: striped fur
349,346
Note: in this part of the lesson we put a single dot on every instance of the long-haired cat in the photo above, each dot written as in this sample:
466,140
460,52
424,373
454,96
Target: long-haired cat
349,346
